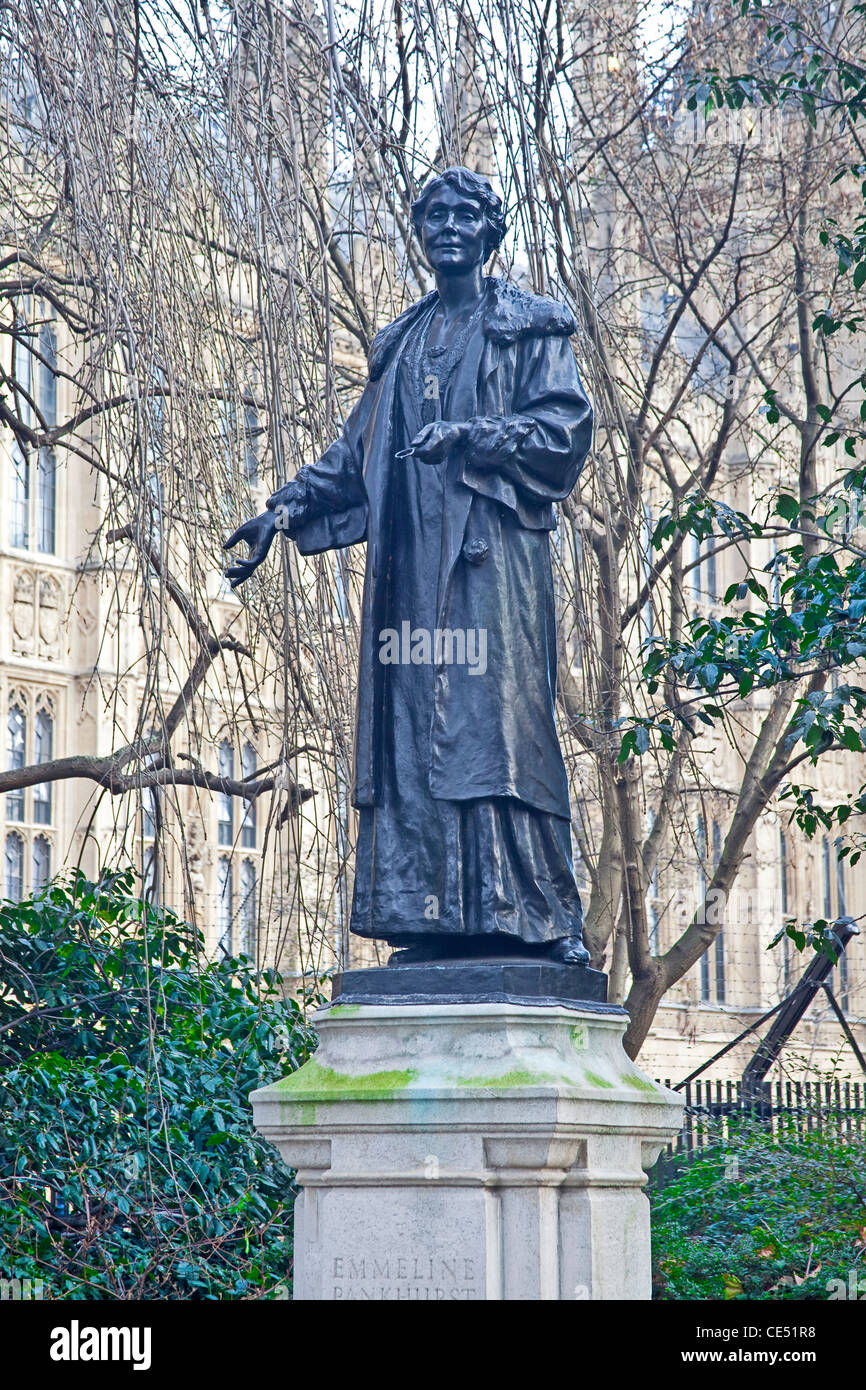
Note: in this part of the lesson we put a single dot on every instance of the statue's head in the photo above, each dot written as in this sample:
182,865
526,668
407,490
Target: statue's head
458,219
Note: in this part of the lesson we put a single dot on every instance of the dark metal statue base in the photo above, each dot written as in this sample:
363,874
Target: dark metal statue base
506,980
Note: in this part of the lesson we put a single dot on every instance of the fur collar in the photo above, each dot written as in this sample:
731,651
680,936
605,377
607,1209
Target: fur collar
510,314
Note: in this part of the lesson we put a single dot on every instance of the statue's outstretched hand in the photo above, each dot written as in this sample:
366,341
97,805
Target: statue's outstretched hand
258,533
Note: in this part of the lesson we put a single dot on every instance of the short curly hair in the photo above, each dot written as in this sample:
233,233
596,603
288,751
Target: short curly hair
471,185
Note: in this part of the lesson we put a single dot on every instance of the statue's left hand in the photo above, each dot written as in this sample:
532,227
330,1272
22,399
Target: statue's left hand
258,533
433,443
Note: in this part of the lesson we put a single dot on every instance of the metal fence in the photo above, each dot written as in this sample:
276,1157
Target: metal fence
714,1109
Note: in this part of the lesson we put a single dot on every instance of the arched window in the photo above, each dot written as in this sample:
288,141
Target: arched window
224,905
46,467
43,745
19,499
19,476
47,368
22,361
46,502
225,805
248,907
16,744
14,885
248,770
41,863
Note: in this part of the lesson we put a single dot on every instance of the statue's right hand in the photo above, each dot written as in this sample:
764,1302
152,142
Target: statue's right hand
258,533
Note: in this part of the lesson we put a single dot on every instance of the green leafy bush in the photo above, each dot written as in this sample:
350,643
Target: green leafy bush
761,1218
129,1167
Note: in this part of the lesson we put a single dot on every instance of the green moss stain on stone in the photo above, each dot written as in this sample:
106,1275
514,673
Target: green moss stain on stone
344,1010
595,1080
639,1083
327,1084
509,1080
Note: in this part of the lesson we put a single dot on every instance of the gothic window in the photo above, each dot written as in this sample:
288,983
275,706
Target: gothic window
225,804
248,907
41,863
248,825
46,502
47,368
35,372
22,362
42,753
224,905
16,743
19,499
14,885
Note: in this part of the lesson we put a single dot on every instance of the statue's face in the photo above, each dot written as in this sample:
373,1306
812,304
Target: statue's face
453,232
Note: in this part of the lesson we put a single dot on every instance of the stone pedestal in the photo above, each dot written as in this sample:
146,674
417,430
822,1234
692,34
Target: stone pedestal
470,1151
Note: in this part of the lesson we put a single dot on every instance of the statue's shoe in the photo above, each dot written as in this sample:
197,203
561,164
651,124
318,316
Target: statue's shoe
570,951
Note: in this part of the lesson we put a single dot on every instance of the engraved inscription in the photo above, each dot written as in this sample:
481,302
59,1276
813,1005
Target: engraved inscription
420,1278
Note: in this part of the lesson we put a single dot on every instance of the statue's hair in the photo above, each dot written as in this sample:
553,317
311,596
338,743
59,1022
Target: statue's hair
471,185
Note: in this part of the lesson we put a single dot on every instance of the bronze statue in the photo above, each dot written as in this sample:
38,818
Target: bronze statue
472,425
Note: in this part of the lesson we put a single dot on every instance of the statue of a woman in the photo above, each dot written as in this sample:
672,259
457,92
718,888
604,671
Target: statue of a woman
472,425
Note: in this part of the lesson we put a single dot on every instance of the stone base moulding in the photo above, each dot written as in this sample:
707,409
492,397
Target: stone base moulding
469,1151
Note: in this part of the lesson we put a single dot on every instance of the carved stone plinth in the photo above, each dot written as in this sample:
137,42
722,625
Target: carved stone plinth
481,1151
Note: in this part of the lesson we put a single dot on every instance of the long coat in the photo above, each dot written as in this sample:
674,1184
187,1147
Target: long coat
493,734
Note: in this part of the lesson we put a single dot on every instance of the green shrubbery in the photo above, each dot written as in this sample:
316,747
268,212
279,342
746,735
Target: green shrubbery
128,1163
762,1218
